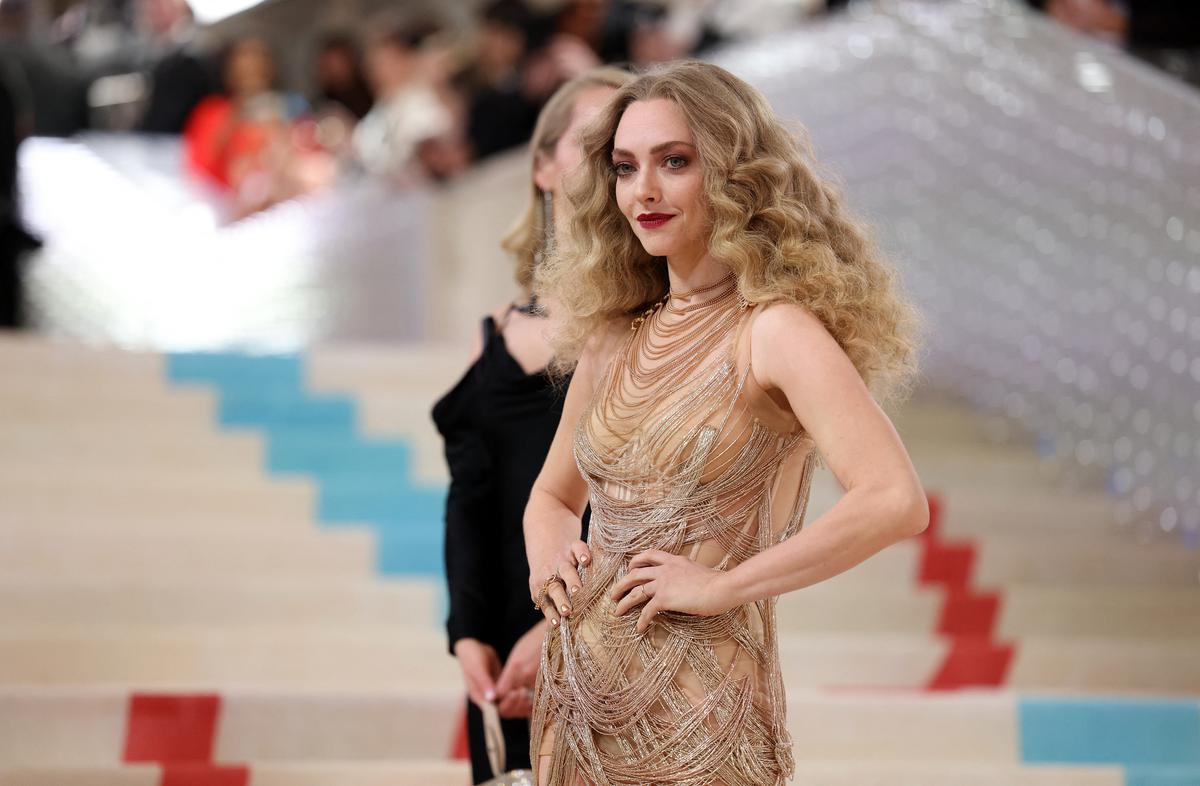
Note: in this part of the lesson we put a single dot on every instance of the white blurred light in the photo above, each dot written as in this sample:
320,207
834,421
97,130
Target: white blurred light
210,11
1093,76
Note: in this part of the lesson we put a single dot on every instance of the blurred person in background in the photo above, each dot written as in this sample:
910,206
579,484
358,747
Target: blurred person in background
338,79
562,58
497,423
244,140
501,112
42,76
10,273
603,25
14,240
180,72
1163,32
413,131
1149,23
662,33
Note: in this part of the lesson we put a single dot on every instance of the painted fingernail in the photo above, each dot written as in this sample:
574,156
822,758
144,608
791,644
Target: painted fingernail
564,608
574,590
554,622
583,558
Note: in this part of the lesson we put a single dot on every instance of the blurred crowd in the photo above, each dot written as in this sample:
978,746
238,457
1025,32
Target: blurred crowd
402,96
410,99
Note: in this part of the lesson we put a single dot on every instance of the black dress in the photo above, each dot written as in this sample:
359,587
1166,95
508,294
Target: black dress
497,423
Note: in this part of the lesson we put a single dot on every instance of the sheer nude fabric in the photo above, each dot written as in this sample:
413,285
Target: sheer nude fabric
682,452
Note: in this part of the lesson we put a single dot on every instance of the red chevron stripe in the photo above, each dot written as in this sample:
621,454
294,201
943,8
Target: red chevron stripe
179,732
461,748
166,728
967,617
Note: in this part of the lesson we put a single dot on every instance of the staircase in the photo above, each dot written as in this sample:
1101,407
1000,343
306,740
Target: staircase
226,569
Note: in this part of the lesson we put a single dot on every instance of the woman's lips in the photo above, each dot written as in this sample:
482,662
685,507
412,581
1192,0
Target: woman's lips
654,220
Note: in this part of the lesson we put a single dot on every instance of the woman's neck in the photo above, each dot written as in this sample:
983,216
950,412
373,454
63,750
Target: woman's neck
688,276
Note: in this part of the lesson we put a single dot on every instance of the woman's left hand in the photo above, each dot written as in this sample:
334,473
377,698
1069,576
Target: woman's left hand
669,582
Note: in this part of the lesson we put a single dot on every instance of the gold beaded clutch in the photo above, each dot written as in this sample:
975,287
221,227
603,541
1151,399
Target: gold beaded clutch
494,739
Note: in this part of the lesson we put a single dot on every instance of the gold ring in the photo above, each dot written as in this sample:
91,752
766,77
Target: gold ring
544,590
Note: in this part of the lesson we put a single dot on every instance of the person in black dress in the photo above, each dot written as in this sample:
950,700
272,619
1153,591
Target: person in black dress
15,239
497,423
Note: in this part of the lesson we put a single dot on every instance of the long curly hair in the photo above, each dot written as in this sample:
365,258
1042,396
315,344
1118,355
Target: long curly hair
781,229
526,239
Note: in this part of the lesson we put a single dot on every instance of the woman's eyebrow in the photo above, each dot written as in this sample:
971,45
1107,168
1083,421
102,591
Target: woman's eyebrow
617,151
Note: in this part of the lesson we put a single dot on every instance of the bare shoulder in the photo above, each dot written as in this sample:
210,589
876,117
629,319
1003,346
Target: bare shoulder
787,339
477,335
781,324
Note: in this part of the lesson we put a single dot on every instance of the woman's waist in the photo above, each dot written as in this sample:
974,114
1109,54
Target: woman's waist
614,549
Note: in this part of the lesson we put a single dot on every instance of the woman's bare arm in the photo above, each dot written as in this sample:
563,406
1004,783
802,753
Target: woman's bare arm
884,502
559,496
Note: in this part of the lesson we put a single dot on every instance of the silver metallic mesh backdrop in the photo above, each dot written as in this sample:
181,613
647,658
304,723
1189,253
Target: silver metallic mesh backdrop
1041,195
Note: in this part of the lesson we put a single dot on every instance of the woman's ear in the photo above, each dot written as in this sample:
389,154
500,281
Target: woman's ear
545,172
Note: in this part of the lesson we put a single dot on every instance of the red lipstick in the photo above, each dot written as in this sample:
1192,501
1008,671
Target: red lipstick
654,220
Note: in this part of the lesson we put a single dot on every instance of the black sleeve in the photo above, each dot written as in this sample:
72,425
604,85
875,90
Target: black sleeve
1164,23
471,550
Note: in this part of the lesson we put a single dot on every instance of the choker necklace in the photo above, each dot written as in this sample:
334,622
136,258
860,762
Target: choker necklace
701,290
671,296
665,301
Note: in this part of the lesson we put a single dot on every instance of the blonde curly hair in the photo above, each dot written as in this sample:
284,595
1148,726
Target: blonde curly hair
781,228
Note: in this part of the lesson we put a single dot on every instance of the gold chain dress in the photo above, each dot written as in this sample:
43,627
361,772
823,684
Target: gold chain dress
681,452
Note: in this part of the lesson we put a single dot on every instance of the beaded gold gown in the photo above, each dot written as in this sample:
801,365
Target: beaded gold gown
682,452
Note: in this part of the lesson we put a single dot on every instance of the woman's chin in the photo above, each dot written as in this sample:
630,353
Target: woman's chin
655,247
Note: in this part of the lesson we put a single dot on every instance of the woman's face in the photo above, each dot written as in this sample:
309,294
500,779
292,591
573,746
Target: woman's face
660,181
249,70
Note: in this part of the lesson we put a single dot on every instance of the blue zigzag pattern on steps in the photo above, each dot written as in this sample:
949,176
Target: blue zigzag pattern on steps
359,480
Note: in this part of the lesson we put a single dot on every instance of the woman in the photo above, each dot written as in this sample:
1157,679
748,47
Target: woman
497,423
729,321
243,139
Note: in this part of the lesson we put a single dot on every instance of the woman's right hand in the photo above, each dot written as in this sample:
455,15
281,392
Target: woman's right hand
564,563
481,667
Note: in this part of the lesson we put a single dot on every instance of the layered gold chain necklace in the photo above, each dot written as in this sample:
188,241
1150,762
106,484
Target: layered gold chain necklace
664,353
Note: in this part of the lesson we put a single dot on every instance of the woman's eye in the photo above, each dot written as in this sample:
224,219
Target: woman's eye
622,168
675,162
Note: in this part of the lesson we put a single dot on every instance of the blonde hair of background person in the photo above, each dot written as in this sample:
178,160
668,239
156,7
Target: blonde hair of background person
549,146
829,328
781,228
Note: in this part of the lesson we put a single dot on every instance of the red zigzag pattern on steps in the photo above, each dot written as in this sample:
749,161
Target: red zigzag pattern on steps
968,617
179,732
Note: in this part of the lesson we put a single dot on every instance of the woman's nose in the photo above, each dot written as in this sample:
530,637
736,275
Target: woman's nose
647,187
